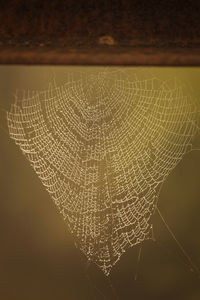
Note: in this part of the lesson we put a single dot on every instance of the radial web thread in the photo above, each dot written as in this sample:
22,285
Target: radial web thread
102,146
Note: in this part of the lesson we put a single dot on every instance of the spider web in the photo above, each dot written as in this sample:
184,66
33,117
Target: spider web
102,146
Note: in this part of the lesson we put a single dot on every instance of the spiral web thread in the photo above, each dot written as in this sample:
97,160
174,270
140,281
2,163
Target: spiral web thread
102,146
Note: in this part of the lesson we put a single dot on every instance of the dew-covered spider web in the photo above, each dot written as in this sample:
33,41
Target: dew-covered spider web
102,146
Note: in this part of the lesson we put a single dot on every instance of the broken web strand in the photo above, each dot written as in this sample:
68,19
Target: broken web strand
138,262
192,266
91,282
152,233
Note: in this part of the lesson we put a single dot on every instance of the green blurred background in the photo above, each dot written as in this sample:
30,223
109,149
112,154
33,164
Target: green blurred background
38,259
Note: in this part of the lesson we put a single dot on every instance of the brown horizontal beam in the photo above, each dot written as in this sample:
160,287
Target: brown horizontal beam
98,56
100,32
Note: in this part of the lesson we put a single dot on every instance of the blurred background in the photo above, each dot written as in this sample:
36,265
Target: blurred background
38,259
